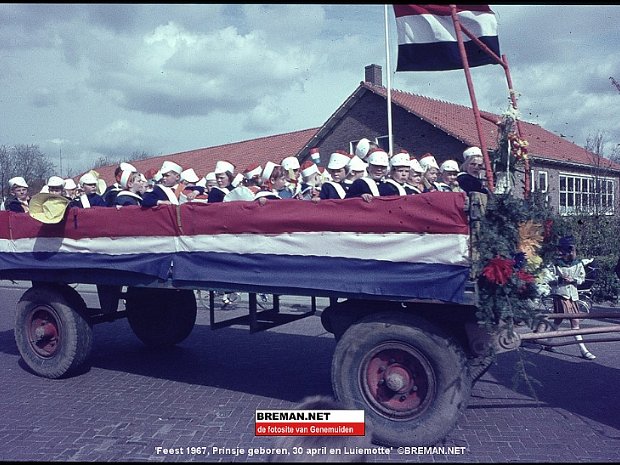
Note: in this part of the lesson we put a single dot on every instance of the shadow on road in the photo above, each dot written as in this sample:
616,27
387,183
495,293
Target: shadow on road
563,381
271,363
265,364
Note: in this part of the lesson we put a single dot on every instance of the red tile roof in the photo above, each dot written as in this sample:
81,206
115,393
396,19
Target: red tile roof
241,154
455,120
458,121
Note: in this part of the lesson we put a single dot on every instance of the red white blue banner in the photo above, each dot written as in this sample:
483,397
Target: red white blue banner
427,38
397,247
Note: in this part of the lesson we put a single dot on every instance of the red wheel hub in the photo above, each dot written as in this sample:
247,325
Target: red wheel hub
43,331
397,380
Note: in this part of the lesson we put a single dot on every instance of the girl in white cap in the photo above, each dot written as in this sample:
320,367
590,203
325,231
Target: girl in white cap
71,189
416,173
336,187
368,186
89,198
292,169
133,189
112,190
210,181
395,183
355,169
18,200
165,192
55,185
447,182
431,172
273,180
252,177
224,174
191,191
310,187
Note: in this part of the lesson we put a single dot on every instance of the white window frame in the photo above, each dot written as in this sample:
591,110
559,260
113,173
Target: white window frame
542,175
380,141
584,194
383,142
353,145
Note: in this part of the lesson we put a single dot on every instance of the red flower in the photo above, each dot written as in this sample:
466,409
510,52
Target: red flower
525,276
498,270
548,228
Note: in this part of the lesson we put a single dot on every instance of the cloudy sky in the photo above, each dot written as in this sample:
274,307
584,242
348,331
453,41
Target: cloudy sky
85,81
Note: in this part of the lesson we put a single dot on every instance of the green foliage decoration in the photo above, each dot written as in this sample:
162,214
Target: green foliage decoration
513,241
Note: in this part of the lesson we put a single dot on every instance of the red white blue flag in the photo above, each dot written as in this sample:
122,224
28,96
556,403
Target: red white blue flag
399,247
427,38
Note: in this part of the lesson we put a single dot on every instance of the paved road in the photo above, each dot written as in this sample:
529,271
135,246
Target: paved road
203,394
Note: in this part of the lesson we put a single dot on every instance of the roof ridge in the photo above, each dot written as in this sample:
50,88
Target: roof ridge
425,97
246,141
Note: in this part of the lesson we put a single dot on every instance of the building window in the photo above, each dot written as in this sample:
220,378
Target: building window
539,185
587,195
542,182
384,143
353,145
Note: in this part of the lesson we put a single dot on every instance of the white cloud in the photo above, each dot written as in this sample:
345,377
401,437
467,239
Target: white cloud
179,73
113,79
118,136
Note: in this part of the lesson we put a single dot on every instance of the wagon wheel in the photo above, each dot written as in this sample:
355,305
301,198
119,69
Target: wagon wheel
52,333
411,380
161,317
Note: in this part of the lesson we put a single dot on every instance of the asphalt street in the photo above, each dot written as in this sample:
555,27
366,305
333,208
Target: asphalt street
196,401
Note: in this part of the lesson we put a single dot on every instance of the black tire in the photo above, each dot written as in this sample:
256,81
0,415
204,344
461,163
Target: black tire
161,317
409,377
583,306
52,333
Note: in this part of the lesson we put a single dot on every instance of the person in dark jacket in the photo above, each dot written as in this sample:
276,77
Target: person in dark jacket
133,187
112,190
19,198
168,190
89,198
336,188
224,174
469,177
368,186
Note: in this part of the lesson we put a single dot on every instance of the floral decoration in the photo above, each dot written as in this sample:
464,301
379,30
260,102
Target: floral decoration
512,150
518,147
498,270
530,240
511,242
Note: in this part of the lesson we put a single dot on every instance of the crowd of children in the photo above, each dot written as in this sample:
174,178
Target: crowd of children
367,173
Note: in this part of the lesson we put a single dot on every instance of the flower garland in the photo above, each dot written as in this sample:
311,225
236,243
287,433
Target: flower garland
512,150
518,147
512,240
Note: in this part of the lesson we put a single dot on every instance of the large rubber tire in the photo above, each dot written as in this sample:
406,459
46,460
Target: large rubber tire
52,333
408,376
161,317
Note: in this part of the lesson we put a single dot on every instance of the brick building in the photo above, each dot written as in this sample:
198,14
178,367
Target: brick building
571,178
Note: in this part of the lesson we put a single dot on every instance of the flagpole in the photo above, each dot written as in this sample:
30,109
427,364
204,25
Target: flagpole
388,73
526,162
472,96
503,61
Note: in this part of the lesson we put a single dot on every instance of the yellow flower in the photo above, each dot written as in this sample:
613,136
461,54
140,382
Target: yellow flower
533,263
530,238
